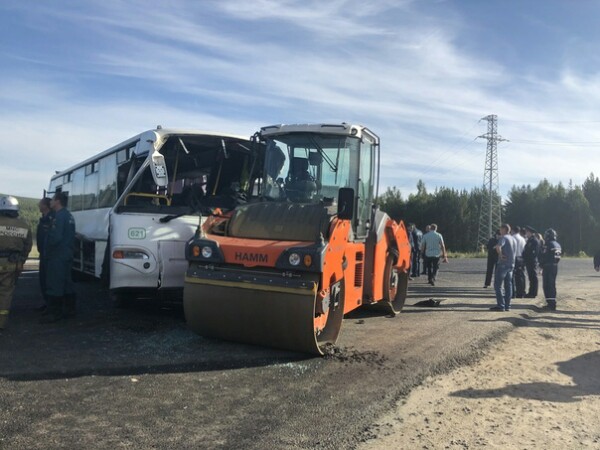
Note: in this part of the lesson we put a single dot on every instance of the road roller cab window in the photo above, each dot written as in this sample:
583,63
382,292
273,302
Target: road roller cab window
310,167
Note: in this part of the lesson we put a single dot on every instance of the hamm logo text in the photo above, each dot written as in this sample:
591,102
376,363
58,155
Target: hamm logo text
251,257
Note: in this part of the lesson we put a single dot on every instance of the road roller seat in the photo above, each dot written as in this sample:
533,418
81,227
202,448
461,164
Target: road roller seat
279,221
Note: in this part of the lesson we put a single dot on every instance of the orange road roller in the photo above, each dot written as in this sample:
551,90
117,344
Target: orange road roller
308,247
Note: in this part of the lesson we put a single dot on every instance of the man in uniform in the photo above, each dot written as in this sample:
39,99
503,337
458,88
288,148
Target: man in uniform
417,237
15,245
530,258
59,259
549,261
42,231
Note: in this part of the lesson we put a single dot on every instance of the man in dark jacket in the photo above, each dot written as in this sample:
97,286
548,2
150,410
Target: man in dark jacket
417,238
549,259
597,261
41,234
58,257
530,258
492,258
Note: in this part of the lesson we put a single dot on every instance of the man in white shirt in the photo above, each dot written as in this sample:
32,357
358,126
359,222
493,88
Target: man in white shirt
433,247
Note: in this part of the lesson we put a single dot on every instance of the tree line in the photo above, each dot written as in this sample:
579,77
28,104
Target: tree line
573,211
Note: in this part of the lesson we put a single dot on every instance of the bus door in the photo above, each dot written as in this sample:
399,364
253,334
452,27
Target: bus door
172,262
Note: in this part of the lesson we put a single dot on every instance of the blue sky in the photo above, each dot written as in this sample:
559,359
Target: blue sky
80,76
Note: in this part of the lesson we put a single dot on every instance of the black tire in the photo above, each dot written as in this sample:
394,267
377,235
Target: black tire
395,286
332,329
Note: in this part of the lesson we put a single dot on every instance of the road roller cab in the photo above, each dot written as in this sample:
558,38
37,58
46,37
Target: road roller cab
282,271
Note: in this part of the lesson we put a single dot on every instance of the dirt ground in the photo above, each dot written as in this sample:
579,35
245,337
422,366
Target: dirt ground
453,376
537,388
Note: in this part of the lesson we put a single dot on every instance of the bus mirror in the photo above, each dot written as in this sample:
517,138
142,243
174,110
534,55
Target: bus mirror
346,203
159,170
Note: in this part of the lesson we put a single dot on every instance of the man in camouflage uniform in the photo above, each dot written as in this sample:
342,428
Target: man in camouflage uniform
15,245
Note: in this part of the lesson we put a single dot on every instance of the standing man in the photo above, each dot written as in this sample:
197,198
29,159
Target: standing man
41,234
15,245
410,242
597,261
492,258
59,259
424,272
432,247
504,268
417,239
530,259
549,261
519,270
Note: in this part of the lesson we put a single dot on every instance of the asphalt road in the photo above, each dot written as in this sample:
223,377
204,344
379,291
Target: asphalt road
137,378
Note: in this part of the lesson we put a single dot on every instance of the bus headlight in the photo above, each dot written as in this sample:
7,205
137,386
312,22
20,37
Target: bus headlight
207,252
130,254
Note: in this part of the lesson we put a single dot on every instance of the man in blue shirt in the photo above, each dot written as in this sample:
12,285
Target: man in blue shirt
506,249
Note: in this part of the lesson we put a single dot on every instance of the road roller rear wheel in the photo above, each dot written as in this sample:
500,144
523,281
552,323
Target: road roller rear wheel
395,286
327,326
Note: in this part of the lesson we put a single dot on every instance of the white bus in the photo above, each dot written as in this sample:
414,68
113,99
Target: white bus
136,204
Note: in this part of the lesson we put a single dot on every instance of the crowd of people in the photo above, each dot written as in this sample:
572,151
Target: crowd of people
429,247
55,238
515,257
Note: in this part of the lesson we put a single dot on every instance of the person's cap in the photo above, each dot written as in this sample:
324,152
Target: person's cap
530,229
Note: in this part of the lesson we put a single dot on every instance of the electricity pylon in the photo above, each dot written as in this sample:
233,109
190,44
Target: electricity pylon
490,214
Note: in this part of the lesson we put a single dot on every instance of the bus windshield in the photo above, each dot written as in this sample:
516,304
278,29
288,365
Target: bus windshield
203,171
309,167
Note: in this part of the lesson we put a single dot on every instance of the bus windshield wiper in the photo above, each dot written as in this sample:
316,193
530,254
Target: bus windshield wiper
170,217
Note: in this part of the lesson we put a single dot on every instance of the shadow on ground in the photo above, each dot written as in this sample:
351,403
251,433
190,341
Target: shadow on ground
584,371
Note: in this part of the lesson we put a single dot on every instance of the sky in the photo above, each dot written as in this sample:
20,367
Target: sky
78,77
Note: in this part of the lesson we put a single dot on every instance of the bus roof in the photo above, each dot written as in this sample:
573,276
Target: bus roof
155,134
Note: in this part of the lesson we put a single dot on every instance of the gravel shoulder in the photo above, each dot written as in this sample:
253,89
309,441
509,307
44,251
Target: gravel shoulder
537,387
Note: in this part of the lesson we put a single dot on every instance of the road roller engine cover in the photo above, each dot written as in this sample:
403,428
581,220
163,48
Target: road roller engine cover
283,270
